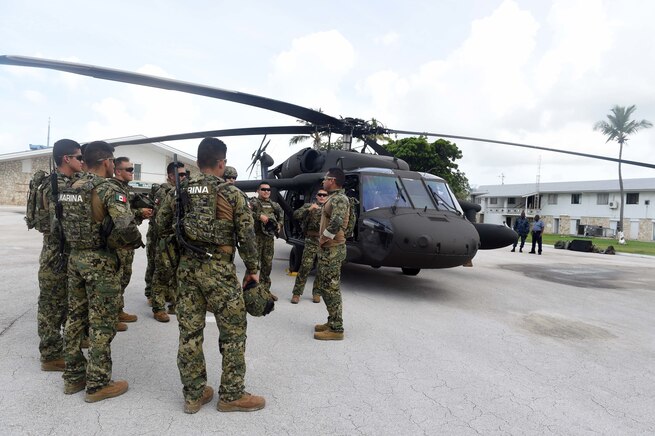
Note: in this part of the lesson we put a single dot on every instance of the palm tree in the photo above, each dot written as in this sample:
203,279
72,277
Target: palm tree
619,127
319,140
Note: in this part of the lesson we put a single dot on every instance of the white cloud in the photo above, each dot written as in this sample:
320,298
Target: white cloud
34,96
388,39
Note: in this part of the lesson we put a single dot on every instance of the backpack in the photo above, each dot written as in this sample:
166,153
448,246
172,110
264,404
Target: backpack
349,231
37,215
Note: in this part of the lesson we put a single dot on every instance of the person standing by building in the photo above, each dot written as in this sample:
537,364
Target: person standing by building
310,217
331,254
537,233
123,175
216,217
51,313
164,283
97,220
268,221
522,227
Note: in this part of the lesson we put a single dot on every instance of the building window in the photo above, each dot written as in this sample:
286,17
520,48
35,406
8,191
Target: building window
493,200
137,171
632,198
602,198
552,198
511,200
575,198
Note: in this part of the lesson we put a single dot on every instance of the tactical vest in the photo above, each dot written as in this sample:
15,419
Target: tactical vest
84,213
267,209
208,216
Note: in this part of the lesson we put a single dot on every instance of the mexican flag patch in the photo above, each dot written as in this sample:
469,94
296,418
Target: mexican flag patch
120,197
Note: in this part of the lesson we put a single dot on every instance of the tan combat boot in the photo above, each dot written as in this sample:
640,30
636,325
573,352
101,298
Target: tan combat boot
247,403
121,327
161,316
295,299
113,389
316,298
126,317
329,335
71,388
321,327
194,406
53,365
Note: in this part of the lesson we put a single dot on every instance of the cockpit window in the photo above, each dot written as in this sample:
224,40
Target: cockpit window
417,192
383,191
441,194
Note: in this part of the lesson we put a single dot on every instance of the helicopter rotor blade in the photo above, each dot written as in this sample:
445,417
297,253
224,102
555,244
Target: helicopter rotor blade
115,75
535,147
246,131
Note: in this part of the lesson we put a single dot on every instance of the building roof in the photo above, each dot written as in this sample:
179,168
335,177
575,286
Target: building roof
157,146
526,189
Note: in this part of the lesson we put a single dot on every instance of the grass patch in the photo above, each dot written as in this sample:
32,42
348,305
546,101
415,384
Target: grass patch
635,247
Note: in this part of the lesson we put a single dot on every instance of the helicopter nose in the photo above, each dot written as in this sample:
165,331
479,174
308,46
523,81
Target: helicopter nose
439,241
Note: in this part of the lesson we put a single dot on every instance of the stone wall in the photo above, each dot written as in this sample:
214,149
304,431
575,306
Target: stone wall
14,182
645,226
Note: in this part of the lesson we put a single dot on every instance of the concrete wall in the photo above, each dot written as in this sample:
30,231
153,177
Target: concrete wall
15,178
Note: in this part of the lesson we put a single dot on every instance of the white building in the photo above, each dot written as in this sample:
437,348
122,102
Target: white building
150,161
574,208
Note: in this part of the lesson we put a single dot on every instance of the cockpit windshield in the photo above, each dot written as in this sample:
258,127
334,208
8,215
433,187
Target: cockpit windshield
389,190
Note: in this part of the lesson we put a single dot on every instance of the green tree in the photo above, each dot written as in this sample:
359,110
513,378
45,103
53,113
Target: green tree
436,157
618,127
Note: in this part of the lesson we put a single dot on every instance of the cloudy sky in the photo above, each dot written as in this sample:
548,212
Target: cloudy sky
533,72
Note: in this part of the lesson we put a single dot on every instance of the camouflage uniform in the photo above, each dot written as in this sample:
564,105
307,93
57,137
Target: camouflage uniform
51,315
331,254
125,255
265,238
93,280
164,282
215,218
151,243
311,223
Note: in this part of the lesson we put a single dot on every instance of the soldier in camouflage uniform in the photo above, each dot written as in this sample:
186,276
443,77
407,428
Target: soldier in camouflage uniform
51,315
164,283
231,174
268,222
97,220
123,175
310,217
151,243
331,254
216,218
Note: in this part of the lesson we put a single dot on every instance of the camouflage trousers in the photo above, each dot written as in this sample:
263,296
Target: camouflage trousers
210,285
51,315
126,258
151,252
327,283
93,294
265,248
308,256
164,281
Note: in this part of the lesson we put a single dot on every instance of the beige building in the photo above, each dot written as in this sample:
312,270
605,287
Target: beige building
150,161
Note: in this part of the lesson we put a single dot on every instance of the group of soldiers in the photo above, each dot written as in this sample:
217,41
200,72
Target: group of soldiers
91,232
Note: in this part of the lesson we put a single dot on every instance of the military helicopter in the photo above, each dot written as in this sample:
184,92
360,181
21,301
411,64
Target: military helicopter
405,219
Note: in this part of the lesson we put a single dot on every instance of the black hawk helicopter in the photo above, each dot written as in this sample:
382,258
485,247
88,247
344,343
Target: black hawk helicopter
405,218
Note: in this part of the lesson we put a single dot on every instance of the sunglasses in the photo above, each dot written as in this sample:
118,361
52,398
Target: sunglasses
329,178
129,170
184,174
265,189
321,195
76,156
106,158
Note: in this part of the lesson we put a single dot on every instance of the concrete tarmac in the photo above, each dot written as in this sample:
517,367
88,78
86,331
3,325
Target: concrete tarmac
519,344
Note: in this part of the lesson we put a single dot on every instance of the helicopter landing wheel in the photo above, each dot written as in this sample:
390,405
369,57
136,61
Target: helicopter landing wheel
295,258
411,271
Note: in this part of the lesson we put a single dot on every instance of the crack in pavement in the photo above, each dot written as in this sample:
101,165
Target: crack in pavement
12,323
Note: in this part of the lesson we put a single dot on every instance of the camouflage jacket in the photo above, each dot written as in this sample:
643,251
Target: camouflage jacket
334,219
53,235
265,207
310,219
165,218
125,187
